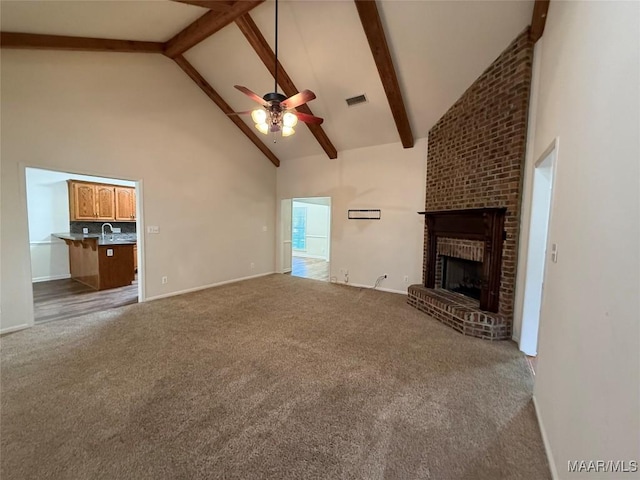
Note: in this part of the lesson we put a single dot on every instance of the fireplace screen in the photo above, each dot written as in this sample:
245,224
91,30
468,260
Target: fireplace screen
462,276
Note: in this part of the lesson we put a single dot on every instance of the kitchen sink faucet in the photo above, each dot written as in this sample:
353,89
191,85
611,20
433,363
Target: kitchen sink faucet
110,226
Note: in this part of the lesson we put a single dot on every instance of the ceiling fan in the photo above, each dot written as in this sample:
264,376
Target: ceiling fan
278,112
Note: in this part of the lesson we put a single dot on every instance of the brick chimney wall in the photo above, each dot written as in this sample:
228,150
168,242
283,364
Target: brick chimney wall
477,149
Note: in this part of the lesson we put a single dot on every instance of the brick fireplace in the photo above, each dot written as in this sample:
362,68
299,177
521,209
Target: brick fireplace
474,164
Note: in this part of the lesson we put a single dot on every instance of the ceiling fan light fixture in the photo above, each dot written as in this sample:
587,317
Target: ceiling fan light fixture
289,120
287,131
278,112
259,116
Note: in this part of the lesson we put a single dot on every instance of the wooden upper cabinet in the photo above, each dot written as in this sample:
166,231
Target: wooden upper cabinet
125,204
105,201
100,202
82,201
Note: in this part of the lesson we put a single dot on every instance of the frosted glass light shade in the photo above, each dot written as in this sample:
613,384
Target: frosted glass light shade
289,119
286,131
262,127
259,116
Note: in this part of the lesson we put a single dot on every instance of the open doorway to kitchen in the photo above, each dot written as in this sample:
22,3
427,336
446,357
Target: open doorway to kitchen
83,239
311,237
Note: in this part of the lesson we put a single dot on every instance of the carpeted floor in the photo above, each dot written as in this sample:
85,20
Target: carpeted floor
277,377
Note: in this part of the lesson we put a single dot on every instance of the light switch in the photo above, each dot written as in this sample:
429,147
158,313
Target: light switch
264,228
153,229
109,252
554,253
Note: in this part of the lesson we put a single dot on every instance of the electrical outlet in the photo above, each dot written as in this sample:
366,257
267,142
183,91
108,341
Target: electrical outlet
117,230
264,228
406,279
165,280
85,230
109,252
253,265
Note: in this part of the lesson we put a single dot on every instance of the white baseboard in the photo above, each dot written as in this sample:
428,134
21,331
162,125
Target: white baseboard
204,287
358,285
545,441
13,329
52,277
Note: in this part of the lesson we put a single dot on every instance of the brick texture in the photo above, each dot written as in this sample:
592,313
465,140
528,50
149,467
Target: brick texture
476,152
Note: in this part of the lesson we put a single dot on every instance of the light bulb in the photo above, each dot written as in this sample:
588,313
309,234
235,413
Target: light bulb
262,128
286,131
259,115
289,120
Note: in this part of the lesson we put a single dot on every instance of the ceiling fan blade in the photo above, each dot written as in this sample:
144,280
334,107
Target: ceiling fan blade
298,99
252,95
306,118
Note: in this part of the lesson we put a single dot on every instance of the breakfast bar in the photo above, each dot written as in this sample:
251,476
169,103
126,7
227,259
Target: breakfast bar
101,261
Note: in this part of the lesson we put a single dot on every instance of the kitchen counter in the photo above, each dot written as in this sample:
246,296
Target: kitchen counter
101,261
108,239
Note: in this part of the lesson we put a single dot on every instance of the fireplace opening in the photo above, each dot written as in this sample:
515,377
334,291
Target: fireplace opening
462,276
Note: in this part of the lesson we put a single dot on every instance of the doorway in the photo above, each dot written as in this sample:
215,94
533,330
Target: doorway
537,249
306,234
74,220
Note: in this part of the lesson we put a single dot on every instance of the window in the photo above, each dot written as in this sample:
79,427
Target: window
299,228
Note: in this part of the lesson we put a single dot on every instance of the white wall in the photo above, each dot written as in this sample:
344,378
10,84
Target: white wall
387,177
587,387
317,231
48,212
138,117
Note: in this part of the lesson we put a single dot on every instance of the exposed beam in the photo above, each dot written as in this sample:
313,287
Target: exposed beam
207,25
61,42
370,18
224,106
538,19
256,39
216,5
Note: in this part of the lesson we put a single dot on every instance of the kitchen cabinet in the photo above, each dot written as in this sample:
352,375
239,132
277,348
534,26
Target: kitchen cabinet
100,202
100,263
105,202
125,204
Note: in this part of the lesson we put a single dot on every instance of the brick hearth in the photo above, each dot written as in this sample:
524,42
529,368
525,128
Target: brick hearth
459,312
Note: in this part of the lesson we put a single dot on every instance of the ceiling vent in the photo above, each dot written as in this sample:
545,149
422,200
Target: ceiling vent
356,100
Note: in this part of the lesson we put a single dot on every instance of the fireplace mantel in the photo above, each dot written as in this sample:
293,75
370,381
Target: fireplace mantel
483,224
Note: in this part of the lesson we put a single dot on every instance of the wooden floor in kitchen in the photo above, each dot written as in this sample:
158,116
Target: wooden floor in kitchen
313,268
62,299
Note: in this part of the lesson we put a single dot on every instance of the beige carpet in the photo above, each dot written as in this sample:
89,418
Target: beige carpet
278,377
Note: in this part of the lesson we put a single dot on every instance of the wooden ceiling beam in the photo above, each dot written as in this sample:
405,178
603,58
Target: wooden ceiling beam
60,42
216,5
224,106
372,25
259,43
207,25
538,19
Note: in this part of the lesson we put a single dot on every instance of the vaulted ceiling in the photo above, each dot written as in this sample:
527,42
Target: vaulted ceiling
438,48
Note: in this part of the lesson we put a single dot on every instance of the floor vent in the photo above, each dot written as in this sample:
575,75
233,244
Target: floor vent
356,100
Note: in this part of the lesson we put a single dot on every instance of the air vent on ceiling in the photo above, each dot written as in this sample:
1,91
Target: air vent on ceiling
356,100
